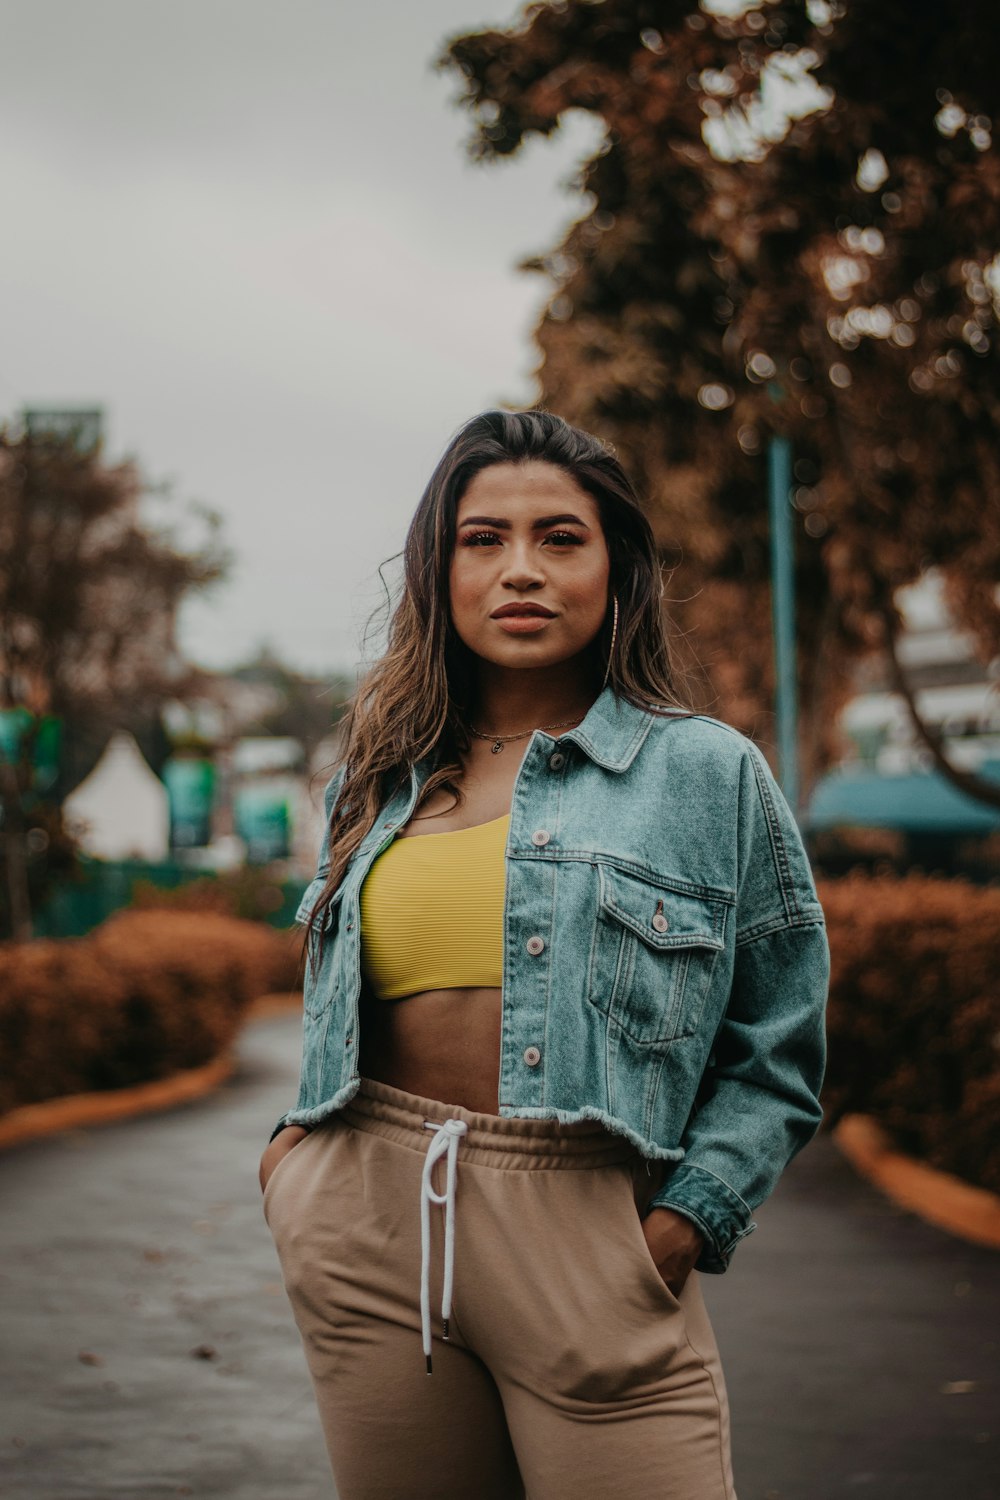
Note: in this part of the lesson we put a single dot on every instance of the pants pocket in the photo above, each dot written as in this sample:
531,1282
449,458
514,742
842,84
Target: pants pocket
638,1189
282,1169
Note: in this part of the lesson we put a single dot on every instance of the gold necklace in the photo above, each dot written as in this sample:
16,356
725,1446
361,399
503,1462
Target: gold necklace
499,740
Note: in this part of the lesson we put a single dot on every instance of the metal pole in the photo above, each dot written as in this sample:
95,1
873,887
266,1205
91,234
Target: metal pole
779,484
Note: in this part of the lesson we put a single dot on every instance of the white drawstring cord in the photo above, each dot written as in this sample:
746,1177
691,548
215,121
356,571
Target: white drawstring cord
446,1138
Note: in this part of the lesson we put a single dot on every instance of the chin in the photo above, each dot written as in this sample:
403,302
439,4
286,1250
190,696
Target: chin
526,654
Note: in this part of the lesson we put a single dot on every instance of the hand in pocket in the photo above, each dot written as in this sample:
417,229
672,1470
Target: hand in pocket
674,1243
286,1140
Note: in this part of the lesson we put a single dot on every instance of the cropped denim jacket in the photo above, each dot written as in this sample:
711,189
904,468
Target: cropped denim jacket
665,959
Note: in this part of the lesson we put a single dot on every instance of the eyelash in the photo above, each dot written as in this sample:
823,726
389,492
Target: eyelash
472,538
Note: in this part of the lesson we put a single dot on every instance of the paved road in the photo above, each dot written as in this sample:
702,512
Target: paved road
860,1344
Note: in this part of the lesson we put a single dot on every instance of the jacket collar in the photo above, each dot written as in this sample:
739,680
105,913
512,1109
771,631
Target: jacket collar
611,734
612,731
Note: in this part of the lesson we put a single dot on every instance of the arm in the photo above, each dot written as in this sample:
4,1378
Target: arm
759,1099
322,869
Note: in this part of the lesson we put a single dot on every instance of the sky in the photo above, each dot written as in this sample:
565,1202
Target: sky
251,233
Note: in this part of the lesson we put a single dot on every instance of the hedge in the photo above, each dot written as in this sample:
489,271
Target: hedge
914,1016
913,1020
144,995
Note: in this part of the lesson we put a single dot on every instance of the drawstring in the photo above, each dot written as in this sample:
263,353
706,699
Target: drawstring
445,1142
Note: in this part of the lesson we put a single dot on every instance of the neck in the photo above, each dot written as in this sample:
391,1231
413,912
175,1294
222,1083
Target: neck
508,701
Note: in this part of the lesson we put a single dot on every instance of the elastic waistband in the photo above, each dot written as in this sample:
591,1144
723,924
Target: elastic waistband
383,1110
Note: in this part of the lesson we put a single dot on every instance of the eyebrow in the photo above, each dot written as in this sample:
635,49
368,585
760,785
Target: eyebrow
538,525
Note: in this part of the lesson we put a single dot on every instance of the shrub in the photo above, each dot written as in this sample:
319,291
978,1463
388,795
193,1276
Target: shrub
144,995
251,892
914,1015
913,1020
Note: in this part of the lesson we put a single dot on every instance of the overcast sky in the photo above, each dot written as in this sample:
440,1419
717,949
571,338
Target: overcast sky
250,232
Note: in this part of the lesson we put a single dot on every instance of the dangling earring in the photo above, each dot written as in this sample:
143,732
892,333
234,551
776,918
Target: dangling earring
611,648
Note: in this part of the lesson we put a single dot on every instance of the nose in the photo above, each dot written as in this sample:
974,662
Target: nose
521,566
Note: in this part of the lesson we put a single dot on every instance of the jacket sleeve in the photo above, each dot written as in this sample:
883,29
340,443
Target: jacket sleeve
322,869
759,1099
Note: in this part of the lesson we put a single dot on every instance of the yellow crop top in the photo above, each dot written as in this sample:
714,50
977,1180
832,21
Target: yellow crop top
432,911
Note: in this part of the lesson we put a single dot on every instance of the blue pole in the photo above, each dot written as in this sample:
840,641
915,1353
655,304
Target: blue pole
779,484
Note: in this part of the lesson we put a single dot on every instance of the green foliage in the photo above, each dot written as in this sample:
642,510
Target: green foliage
249,893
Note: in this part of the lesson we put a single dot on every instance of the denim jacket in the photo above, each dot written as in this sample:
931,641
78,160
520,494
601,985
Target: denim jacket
665,960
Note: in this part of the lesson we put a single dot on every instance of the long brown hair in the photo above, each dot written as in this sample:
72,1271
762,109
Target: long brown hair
414,701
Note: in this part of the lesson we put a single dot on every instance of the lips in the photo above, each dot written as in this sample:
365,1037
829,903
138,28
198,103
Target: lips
522,611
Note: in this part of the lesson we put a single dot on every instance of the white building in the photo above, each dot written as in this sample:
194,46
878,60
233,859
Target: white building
121,810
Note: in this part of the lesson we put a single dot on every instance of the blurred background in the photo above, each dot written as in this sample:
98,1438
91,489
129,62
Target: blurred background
254,282
257,274
261,261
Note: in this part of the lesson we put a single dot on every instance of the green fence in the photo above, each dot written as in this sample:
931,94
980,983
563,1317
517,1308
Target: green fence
104,886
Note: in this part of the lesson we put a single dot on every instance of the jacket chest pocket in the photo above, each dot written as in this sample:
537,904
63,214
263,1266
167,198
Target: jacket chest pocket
319,979
652,956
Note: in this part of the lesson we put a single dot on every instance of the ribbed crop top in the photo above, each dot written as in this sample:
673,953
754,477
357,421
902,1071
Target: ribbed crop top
432,911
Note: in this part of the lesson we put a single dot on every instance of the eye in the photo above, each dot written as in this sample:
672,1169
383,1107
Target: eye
478,538
561,538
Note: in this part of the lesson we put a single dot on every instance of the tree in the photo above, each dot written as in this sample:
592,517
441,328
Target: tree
89,593
305,707
793,225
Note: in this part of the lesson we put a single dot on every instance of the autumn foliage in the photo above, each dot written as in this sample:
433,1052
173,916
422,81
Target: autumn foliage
790,225
914,1016
143,996
913,1019
89,594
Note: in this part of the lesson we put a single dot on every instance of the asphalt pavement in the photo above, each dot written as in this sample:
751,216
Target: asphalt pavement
147,1348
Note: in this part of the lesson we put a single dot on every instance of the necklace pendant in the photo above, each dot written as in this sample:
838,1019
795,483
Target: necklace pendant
497,746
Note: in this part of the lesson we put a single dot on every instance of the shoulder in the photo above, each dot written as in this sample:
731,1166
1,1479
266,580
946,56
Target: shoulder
697,739
711,759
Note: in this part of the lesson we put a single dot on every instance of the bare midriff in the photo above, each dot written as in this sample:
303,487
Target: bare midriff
445,1043
438,1044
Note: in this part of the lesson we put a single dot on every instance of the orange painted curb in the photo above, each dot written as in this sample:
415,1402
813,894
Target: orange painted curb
72,1111
75,1110
940,1198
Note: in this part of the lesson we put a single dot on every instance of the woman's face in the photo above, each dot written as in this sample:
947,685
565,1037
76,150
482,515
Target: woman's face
529,571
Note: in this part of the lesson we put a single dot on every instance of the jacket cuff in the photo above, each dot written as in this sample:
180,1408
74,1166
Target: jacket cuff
719,1212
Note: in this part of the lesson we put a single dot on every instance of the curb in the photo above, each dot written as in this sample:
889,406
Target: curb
72,1111
939,1198
103,1107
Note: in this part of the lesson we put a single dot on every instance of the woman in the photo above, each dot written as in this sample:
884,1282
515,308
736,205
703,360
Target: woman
566,982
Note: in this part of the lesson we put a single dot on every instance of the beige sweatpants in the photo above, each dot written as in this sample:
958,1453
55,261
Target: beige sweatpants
571,1371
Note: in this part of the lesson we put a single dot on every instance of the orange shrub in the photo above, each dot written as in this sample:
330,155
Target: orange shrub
913,1021
142,996
914,1016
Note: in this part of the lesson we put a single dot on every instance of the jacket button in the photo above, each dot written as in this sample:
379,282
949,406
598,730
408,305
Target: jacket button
535,944
659,922
532,1056
557,761
540,837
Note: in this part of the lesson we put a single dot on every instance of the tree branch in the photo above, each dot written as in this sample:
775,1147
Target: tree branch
968,782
